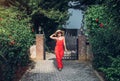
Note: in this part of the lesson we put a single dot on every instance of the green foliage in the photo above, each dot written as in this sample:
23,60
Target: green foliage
48,15
104,33
31,5
113,72
96,33
15,40
49,20
61,5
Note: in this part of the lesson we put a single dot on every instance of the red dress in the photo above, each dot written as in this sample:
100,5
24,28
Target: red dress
59,51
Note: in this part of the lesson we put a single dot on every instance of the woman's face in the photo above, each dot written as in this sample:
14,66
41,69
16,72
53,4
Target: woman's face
59,34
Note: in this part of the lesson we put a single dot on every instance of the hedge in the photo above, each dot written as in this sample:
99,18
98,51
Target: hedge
15,39
104,37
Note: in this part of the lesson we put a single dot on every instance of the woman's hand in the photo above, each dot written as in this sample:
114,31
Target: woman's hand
66,49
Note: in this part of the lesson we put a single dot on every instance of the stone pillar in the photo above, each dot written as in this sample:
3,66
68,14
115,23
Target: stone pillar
40,46
82,56
89,52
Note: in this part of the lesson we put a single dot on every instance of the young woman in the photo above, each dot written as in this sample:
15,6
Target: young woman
60,47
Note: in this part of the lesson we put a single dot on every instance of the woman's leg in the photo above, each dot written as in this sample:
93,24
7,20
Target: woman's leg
59,59
61,56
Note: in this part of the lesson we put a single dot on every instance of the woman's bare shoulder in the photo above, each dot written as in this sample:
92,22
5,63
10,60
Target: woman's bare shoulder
63,37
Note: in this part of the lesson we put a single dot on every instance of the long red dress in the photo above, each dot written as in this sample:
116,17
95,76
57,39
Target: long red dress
59,51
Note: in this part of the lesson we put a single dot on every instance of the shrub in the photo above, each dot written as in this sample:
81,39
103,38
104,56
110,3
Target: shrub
104,38
98,34
113,72
15,40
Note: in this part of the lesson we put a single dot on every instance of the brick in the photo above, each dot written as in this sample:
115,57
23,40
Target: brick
82,48
40,46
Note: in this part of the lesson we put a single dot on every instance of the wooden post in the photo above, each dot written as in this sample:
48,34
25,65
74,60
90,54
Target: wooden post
40,46
82,56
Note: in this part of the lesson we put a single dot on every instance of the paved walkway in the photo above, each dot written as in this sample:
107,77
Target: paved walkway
72,71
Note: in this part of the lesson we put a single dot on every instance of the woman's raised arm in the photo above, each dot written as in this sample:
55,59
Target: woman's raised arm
53,36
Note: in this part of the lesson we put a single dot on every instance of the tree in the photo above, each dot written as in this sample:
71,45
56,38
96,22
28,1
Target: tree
47,15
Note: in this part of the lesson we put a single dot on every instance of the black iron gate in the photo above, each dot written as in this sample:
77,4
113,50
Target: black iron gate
72,46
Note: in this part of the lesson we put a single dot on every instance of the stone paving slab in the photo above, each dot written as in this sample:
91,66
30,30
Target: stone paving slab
72,71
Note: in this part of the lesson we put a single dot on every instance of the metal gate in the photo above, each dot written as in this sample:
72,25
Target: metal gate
72,46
